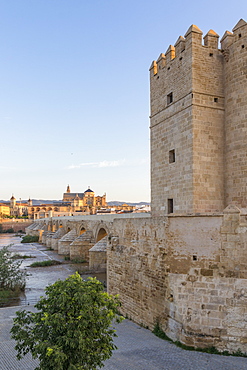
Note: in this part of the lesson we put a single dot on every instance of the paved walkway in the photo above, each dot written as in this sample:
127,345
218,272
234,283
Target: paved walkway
138,349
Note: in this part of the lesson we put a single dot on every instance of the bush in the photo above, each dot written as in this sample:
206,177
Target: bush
30,239
6,296
10,230
11,276
72,328
45,263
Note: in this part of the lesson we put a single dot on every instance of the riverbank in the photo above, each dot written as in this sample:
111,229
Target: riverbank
39,277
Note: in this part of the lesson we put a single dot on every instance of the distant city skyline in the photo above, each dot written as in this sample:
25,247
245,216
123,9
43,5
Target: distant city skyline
74,98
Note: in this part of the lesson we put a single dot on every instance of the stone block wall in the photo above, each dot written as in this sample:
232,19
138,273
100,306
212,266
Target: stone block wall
207,311
187,272
97,260
234,47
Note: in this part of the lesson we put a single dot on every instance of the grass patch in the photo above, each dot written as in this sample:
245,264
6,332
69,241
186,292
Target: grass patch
75,260
18,256
30,239
20,234
45,263
6,296
161,334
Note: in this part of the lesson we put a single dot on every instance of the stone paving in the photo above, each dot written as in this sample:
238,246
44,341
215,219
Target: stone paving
138,349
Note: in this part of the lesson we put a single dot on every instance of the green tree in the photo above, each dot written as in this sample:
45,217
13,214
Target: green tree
11,276
72,328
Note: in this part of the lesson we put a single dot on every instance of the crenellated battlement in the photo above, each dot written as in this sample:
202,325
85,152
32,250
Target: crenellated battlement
194,38
237,38
191,39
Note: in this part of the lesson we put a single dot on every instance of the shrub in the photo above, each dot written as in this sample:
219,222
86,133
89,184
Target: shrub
10,230
11,276
30,239
72,328
45,263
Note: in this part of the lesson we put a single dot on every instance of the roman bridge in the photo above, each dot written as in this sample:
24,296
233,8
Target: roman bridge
188,271
81,237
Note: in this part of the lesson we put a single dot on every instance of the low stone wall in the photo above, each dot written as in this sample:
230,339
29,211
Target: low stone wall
17,225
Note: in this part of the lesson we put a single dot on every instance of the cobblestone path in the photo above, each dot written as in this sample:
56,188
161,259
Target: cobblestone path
138,349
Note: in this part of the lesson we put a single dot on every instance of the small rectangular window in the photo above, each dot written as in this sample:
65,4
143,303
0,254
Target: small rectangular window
170,206
170,98
172,156
216,100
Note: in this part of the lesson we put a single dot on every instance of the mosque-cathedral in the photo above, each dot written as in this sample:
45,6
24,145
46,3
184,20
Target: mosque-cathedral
72,204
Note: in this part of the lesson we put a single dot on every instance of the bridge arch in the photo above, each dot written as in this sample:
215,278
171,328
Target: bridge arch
101,233
82,230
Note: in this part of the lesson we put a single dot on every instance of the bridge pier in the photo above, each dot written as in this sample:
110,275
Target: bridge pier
79,248
97,256
65,241
56,237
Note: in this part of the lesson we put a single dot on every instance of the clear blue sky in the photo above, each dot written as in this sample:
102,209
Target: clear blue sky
74,90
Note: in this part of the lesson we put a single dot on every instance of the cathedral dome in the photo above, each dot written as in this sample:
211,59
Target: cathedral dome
89,191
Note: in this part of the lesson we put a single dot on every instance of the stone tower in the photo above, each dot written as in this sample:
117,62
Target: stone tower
198,123
12,201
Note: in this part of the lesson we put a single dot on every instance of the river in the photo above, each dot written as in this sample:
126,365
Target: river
39,277
7,239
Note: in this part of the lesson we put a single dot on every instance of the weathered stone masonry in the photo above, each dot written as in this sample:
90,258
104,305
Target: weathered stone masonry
186,264
187,272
